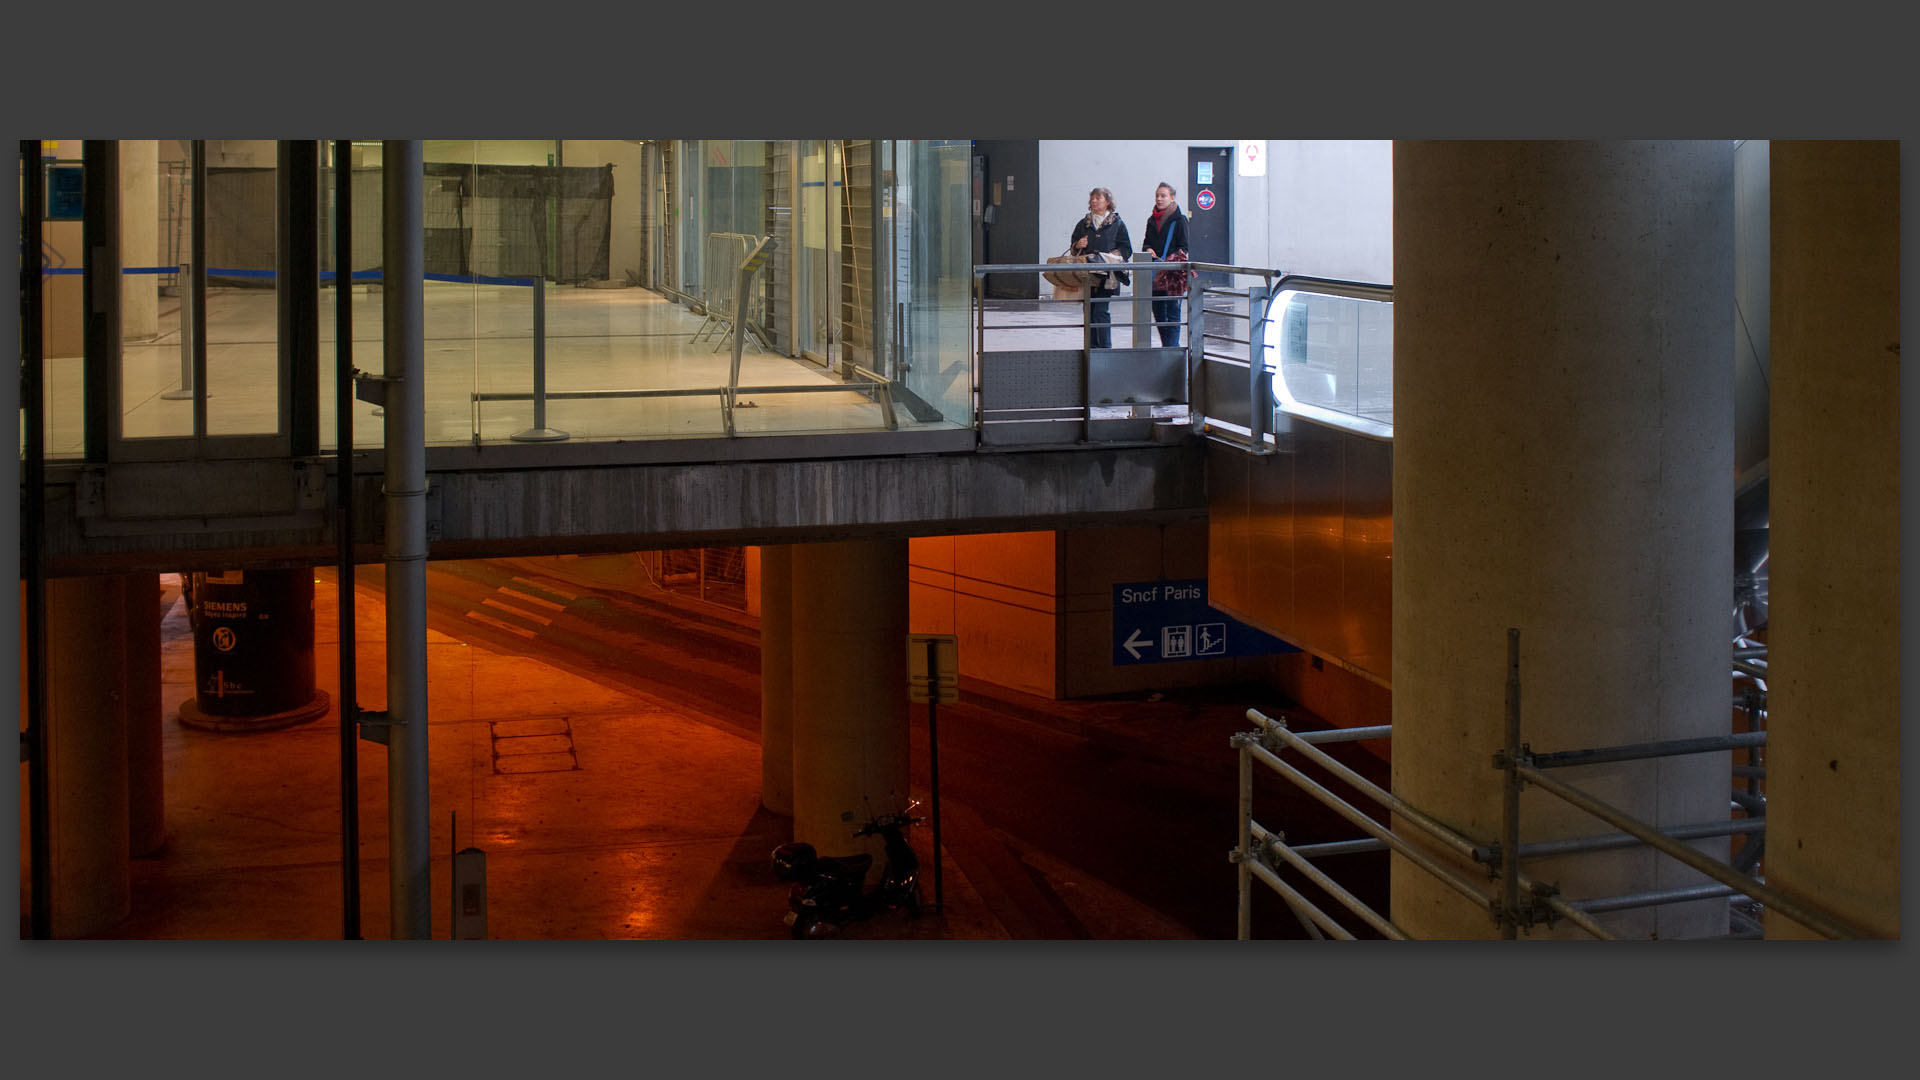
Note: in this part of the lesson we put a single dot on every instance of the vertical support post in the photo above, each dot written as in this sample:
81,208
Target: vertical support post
100,233
1510,797
1259,405
1243,868
403,307
297,289
196,301
1086,364
539,432
32,526
933,764
343,453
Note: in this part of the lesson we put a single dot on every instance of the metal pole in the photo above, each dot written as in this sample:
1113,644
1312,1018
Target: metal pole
1612,841
32,529
1368,825
1651,899
1510,798
403,304
933,767
1257,411
1380,731
196,301
1273,843
1451,839
1641,751
1086,363
1300,904
539,432
1243,869
100,318
1805,916
343,452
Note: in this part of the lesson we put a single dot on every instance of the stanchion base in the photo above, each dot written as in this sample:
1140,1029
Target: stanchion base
541,434
192,716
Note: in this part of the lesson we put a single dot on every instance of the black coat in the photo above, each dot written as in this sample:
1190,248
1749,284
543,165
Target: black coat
1155,239
1111,236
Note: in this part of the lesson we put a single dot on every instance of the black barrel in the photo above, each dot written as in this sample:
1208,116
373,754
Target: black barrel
252,650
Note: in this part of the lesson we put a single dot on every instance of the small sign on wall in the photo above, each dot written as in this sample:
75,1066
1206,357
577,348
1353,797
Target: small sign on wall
1253,157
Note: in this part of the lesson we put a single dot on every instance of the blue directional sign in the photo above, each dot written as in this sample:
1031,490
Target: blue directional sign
1157,621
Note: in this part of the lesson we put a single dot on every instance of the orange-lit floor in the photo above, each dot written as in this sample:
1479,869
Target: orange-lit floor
605,813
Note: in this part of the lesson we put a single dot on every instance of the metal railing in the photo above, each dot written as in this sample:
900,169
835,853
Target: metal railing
1514,899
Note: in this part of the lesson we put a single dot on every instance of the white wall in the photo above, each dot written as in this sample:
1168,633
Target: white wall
1325,207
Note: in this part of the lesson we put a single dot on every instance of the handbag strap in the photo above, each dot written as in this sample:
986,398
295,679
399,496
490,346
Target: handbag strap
1166,245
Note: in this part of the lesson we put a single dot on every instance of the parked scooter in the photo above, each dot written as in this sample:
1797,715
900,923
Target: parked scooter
829,891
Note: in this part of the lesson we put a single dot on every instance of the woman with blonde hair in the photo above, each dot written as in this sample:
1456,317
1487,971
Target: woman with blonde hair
1098,235
1166,240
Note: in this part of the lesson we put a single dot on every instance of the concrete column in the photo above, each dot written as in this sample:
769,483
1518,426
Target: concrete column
1833,754
146,761
139,237
87,754
1563,458
849,689
776,678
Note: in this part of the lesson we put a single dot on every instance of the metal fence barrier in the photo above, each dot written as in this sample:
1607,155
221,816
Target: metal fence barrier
1514,899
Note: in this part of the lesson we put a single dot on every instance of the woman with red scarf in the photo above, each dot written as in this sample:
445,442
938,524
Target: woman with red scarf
1166,238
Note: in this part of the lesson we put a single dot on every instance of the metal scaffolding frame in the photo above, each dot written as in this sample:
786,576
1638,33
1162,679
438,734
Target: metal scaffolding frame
1515,900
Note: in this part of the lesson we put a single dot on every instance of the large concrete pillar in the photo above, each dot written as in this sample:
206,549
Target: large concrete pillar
1833,653
1563,454
849,689
146,757
87,755
139,237
776,678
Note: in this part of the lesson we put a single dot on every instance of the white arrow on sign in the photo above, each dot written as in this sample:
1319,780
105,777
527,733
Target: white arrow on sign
1133,643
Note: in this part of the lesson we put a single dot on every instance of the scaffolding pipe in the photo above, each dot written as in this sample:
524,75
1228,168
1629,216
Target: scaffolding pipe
343,448
32,536
1243,869
1331,735
1371,827
1338,847
1270,841
1460,844
403,302
1642,751
1613,841
1300,904
1772,898
1654,898
1510,798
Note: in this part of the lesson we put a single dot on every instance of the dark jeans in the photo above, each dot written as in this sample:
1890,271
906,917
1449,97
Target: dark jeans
1167,312
1099,320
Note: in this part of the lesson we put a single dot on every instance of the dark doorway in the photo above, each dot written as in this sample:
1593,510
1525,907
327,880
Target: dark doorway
1007,215
1210,206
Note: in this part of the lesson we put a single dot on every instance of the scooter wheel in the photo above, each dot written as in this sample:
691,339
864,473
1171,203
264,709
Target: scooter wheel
913,903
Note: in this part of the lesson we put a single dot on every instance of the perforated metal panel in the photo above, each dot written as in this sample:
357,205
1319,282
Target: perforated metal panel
1030,380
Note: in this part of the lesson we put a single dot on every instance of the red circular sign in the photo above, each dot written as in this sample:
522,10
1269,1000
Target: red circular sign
1204,200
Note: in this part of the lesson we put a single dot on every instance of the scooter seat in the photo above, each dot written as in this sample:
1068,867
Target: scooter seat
854,867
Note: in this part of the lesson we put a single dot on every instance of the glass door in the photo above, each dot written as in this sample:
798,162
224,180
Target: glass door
819,256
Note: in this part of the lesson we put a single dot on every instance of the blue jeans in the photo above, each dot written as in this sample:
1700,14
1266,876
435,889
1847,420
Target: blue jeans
1167,312
1099,321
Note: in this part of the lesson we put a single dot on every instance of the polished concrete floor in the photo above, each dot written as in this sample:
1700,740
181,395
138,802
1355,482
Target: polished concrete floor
479,339
605,813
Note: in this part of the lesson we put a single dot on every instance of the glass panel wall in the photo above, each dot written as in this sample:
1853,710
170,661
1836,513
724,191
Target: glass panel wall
932,224
155,201
61,311
520,234
1334,353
